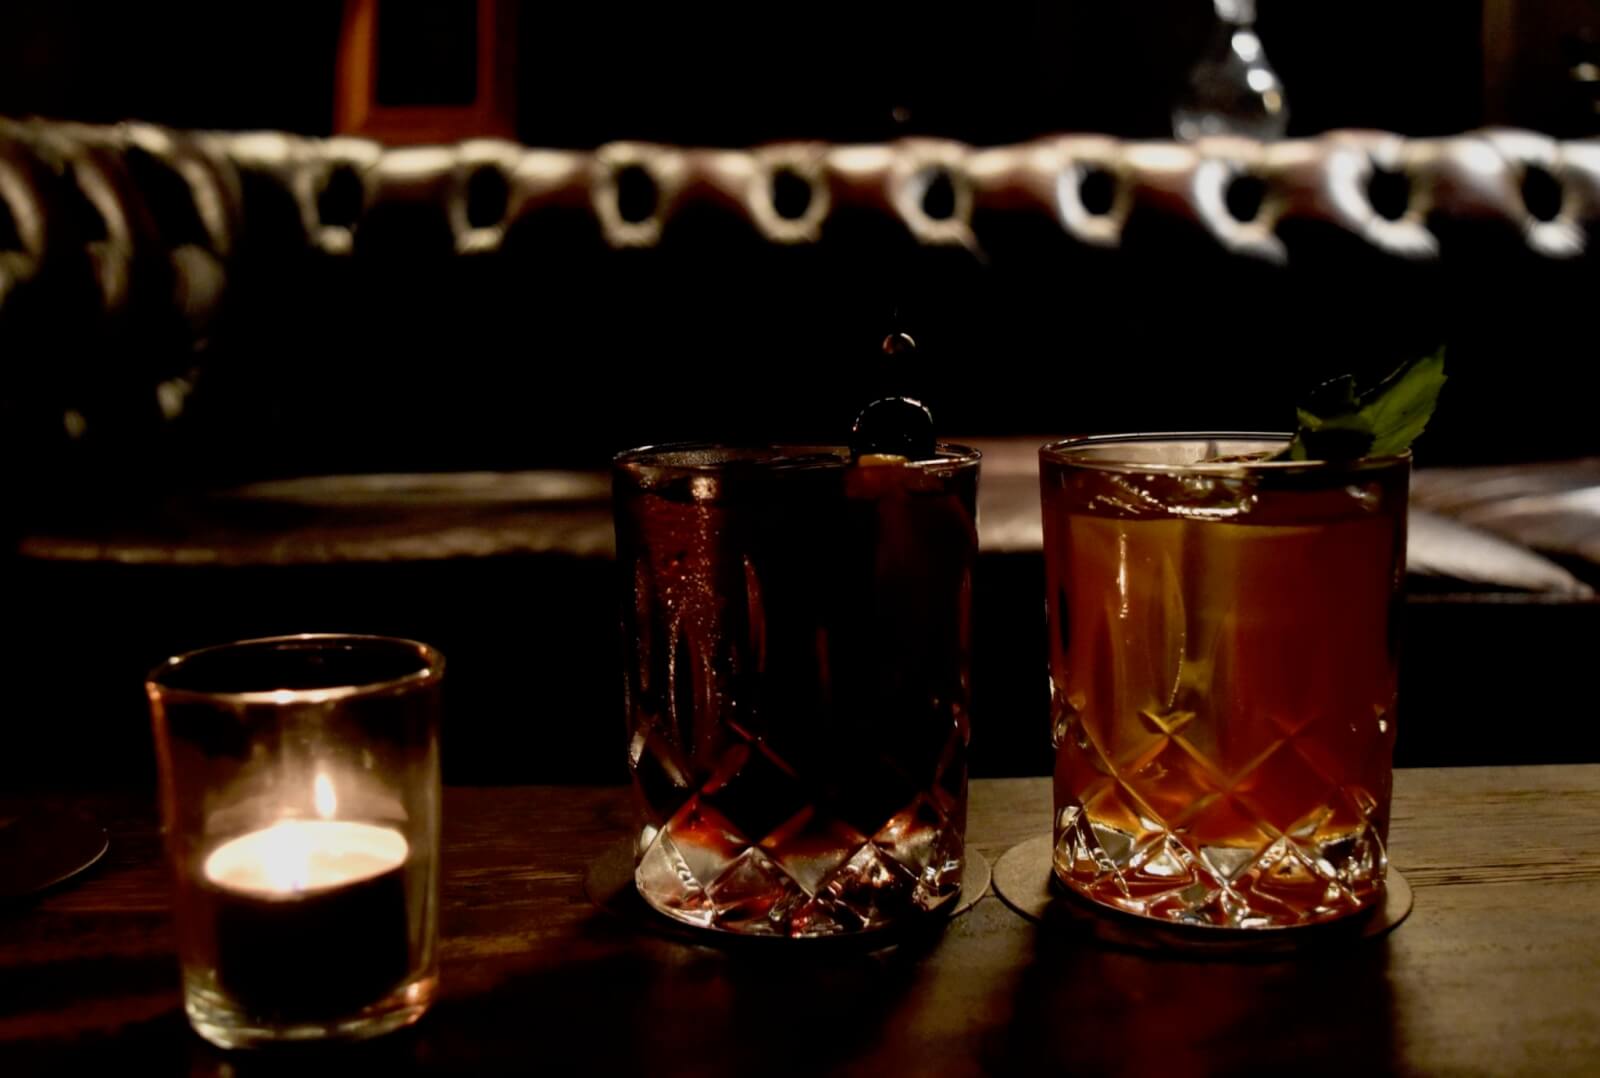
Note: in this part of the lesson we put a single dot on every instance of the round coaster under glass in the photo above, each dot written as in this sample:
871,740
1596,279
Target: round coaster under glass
1025,880
609,885
42,849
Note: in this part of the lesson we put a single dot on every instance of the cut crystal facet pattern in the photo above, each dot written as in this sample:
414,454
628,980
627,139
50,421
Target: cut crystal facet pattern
750,852
1231,857
1222,688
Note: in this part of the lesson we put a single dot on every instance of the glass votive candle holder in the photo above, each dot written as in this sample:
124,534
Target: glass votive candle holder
300,798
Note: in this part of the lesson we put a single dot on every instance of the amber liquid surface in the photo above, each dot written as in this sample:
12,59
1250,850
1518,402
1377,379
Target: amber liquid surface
1223,680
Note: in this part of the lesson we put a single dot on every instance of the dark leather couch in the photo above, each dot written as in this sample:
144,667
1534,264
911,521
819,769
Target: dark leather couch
183,313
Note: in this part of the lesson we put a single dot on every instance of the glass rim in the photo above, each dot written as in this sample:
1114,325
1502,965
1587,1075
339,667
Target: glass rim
1066,452
429,672
948,454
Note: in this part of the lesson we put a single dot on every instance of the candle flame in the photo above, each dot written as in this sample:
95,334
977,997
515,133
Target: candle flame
323,797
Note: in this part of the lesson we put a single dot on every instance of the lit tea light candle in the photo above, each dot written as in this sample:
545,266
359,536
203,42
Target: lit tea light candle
297,857
310,914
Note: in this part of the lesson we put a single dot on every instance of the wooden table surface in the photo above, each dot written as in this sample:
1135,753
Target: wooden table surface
1496,972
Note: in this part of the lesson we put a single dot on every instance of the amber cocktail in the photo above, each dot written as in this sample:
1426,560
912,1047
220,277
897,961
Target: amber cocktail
1222,675
797,630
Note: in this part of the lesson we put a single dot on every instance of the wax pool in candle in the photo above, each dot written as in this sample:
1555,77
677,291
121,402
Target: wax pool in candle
310,916
295,856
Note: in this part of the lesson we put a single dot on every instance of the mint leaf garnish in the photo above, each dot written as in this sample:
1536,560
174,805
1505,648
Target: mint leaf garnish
1401,405
1339,423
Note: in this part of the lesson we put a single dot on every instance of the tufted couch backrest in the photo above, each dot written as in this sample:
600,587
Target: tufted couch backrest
302,305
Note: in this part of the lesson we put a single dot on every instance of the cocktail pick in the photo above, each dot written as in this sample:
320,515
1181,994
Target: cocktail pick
894,426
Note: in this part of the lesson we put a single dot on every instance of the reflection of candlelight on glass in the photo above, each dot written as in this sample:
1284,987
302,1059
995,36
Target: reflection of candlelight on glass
323,799
310,914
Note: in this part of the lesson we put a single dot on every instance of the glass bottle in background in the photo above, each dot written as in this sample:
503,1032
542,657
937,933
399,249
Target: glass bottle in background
1232,90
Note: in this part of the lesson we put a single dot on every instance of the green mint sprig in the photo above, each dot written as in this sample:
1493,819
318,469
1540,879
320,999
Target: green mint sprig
1338,422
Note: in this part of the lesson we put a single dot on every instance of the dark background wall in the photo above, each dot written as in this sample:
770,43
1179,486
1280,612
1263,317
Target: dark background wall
736,74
